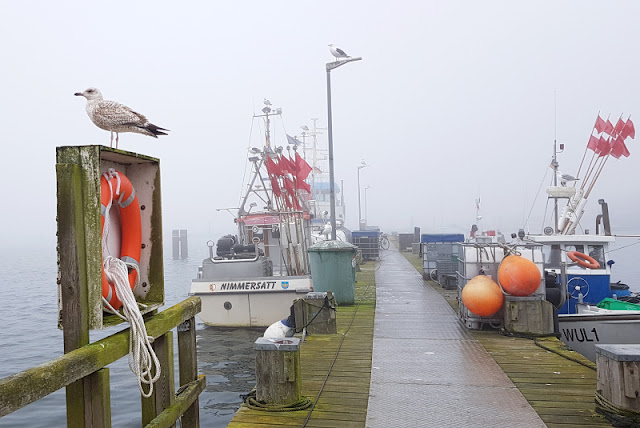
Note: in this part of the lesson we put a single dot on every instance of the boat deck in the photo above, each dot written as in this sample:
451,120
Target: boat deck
421,367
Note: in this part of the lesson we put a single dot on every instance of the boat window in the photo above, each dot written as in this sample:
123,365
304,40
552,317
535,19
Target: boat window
597,252
574,247
552,256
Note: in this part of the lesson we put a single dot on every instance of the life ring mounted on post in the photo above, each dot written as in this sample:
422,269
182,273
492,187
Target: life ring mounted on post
583,260
116,188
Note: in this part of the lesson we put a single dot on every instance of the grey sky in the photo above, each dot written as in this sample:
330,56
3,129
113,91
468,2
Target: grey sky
453,100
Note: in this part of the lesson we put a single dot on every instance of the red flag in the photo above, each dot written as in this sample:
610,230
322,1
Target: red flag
286,166
301,184
272,170
593,143
628,130
608,127
600,125
272,166
302,167
603,147
618,148
619,126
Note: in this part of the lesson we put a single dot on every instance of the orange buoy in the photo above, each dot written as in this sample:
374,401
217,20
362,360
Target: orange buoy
519,276
482,296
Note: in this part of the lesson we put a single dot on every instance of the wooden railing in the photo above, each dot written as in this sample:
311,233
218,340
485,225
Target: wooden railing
84,374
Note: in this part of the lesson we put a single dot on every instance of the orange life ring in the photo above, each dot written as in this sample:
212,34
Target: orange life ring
124,195
583,260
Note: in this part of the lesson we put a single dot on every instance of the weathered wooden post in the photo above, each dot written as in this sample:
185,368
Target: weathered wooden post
278,373
618,388
78,170
316,312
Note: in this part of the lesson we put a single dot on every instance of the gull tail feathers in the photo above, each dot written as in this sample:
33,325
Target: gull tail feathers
153,130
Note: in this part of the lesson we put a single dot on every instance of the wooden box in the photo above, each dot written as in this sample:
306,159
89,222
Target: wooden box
78,172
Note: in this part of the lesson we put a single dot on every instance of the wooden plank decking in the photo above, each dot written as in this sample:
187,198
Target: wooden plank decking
344,398
560,390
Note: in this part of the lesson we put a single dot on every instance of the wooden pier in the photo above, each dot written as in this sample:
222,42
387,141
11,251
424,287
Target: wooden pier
559,389
336,369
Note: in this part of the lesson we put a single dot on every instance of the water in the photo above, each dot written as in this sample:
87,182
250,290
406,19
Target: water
30,336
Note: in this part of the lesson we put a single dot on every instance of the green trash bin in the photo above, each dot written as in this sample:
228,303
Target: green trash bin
333,268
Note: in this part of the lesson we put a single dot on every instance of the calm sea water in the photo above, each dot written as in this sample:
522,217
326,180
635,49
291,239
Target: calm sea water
29,336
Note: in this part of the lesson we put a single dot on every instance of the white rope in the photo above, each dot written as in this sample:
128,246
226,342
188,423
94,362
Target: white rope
142,358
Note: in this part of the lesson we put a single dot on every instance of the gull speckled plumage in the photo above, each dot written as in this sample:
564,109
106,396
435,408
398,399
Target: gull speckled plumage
115,117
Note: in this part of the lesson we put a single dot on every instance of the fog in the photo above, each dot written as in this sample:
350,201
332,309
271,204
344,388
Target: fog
453,101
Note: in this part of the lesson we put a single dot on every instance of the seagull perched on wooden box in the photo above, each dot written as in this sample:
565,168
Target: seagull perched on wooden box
115,117
337,52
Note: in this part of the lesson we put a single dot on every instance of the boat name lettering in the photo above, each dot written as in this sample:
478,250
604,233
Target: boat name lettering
580,335
259,285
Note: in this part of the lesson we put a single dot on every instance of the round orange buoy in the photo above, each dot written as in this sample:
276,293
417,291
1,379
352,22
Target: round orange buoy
482,296
519,276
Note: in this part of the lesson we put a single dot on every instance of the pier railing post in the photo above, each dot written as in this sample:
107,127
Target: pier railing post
164,389
87,399
188,368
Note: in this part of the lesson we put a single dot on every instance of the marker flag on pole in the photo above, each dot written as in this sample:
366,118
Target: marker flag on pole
619,125
608,129
618,148
628,130
600,124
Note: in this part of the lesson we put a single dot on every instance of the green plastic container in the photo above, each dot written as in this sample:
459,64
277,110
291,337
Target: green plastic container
618,305
333,268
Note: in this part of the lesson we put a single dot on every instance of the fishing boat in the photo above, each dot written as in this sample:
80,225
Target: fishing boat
577,266
254,276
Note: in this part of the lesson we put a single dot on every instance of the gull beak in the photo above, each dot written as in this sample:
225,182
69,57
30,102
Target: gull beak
78,94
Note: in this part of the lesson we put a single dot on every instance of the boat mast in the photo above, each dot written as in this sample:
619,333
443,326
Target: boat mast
555,160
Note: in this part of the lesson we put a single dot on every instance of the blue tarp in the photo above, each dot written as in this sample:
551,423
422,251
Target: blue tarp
442,237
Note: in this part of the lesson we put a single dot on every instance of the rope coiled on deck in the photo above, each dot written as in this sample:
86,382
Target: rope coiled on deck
618,416
252,402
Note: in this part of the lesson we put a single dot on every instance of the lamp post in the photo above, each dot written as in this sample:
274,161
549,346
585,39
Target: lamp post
366,216
332,199
363,165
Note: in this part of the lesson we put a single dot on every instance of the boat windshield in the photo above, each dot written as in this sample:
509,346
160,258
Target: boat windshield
595,251
553,254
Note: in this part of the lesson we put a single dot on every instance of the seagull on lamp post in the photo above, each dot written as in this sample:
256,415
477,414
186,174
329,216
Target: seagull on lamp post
337,52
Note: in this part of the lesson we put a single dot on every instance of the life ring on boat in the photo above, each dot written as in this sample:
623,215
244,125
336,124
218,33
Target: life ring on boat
583,260
116,186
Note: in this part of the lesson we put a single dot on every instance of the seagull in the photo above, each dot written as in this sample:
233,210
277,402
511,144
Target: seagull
337,52
304,127
115,117
266,102
565,178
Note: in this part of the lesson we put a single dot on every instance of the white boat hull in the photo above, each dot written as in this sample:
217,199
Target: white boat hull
251,302
582,331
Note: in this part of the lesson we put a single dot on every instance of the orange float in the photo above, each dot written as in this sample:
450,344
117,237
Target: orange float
117,187
519,276
482,296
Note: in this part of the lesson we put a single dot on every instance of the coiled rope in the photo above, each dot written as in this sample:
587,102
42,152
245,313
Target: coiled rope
252,402
617,415
142,358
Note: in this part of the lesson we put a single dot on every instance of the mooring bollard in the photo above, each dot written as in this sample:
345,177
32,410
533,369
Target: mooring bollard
321,313
278,378
618,390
